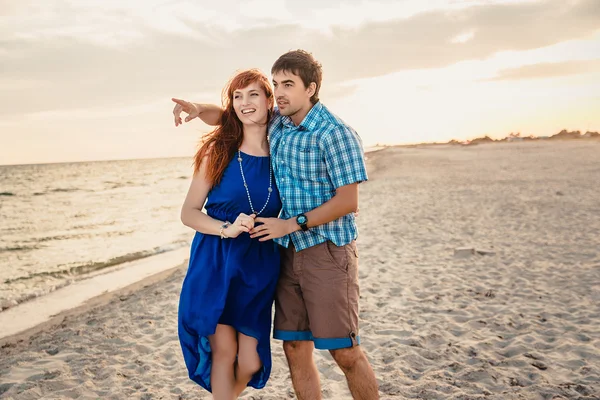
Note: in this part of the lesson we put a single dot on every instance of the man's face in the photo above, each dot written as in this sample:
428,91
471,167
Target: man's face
290,93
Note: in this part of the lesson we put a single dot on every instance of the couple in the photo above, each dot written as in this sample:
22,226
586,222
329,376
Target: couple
281,188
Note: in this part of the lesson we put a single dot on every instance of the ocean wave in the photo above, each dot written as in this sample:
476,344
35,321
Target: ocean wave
67,276
117,185
64,237
19,248
57,190
81,270
64,190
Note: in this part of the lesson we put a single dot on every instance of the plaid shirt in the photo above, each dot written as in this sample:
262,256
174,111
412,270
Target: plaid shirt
310,161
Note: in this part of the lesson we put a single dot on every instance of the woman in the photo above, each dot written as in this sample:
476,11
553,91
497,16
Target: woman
226,297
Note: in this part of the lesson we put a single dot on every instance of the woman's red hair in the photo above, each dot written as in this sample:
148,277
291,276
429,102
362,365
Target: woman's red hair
222,144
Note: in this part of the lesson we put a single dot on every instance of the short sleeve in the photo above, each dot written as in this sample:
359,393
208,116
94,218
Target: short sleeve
344,156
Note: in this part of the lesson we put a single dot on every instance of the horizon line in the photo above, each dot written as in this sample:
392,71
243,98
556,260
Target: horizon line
376,145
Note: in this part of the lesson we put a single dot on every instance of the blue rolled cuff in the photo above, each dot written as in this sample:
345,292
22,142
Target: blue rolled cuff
292,335
320,343
334,343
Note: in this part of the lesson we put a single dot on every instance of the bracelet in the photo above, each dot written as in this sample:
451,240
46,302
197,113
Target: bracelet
223,227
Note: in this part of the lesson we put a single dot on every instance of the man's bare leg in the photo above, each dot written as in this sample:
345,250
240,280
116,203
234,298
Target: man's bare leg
303,370
359,374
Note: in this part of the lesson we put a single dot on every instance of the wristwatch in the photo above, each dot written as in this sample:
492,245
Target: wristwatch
302,221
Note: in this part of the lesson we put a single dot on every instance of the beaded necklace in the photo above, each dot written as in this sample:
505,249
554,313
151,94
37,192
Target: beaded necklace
270,189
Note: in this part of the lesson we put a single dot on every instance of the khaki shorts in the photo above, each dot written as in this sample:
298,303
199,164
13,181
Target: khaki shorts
317,296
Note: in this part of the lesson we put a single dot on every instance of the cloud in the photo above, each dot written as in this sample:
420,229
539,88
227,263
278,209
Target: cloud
152,56
425,40
548,70
463,37
22,84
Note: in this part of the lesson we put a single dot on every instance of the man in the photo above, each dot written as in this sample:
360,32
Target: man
318,162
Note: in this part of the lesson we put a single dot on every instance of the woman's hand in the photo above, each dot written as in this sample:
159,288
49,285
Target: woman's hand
191,109
243,223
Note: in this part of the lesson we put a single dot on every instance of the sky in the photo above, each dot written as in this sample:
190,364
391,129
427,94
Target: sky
93,80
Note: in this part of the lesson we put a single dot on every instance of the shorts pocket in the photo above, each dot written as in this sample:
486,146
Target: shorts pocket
338,255
353,248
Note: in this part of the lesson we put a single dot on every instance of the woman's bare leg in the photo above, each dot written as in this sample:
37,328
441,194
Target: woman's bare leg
223,345
248,362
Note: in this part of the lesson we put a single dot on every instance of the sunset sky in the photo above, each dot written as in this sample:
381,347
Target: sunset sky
92,80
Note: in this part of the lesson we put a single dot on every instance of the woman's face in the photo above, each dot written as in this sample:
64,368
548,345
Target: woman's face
251,104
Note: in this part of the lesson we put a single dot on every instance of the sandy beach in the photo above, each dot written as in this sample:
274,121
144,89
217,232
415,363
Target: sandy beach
480,279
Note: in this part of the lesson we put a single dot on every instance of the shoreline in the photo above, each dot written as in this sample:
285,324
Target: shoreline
89,305
28,318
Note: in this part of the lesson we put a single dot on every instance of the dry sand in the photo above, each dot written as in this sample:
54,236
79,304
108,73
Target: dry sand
523,323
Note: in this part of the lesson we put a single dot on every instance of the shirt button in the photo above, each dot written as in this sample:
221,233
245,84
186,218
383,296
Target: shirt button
283,162
283,141
282,179
282,198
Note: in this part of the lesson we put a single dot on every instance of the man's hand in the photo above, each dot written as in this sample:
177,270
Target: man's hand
189,108
273,228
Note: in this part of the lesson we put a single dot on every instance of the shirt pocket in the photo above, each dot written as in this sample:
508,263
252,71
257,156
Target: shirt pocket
309,170
305,159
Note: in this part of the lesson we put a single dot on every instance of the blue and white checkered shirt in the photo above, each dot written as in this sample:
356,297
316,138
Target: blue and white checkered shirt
310,161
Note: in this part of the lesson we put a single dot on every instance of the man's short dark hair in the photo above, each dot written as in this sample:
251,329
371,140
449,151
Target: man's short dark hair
303,64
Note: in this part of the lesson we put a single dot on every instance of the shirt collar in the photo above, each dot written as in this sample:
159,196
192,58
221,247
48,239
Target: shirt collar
310,121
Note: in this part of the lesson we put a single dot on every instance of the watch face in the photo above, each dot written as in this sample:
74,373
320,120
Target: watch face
301,219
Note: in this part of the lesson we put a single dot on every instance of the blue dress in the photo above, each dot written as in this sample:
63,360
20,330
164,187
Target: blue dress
231,281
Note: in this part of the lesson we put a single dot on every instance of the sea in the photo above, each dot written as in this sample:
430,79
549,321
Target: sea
60,223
